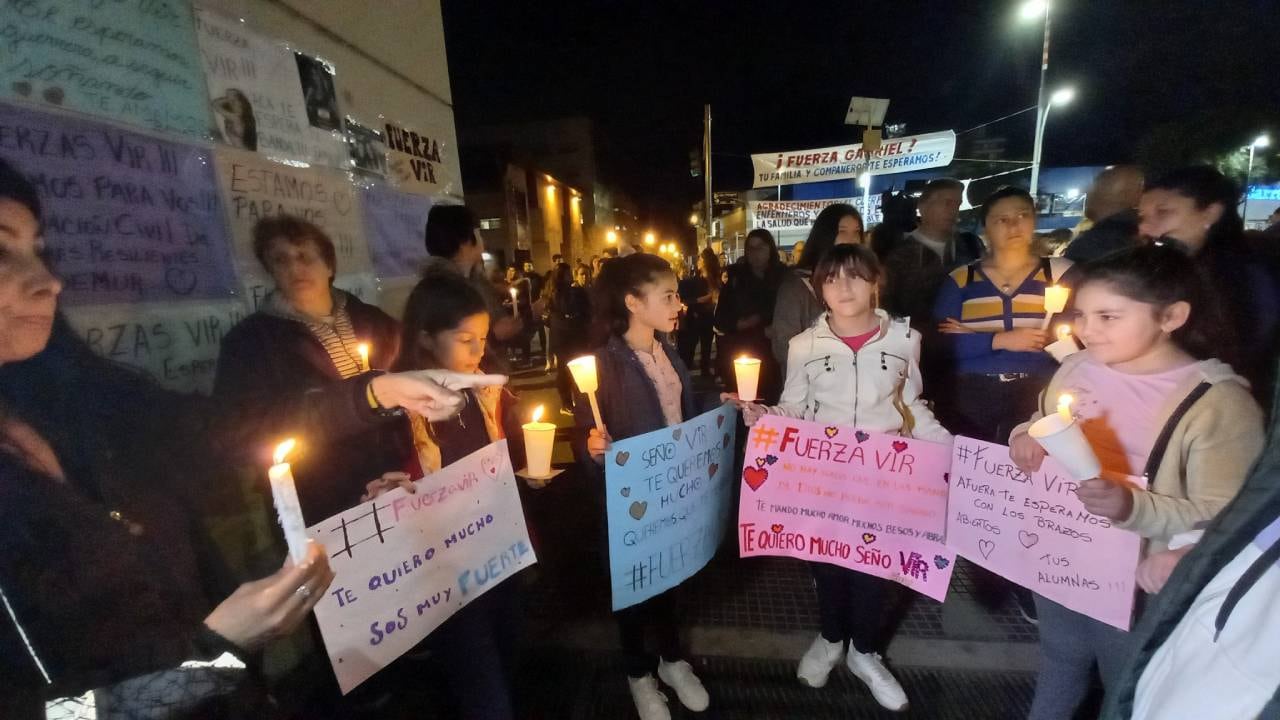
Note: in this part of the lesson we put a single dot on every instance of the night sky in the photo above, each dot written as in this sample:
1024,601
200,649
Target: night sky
779,76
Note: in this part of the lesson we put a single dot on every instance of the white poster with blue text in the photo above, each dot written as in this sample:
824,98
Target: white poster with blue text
668,499
405,563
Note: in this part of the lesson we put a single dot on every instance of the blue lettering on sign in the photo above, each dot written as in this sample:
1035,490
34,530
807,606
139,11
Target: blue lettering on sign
493,568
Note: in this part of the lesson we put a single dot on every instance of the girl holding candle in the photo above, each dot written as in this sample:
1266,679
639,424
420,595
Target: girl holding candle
1147,375
857,367
642,385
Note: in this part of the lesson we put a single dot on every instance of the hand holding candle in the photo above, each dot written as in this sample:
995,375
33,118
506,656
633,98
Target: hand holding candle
285,496
539,439
1055,301
747,372
1060,436
583,370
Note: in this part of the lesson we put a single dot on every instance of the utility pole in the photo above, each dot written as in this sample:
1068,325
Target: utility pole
706,159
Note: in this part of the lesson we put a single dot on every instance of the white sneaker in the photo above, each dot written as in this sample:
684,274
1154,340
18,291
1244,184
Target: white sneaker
679,675
818,661
651,704
870,669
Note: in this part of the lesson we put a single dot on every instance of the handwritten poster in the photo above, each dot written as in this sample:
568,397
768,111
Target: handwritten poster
127,217
421,162
395,224
406,563
176,344
1033,530
128,60
255,95
668,496
255,188
865,501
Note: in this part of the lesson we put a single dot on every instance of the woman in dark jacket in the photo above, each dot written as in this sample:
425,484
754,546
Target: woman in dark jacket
745,313
569,314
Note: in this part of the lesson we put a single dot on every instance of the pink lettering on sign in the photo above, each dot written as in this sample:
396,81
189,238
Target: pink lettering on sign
1032,529
865,501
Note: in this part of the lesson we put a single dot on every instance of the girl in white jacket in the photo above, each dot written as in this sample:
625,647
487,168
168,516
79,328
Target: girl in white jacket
858,367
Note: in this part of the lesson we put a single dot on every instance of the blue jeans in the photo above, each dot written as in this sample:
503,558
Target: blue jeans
1070,643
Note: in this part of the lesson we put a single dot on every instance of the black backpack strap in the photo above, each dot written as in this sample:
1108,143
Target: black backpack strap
1162,441
1046,264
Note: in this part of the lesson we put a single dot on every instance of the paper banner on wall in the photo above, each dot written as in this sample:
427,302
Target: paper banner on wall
133,62
127,217
254,188
395,223
367,147
1033,530
668,498
176,344
256,95
847,162
869,502
363,285
775,215
406,563
420,160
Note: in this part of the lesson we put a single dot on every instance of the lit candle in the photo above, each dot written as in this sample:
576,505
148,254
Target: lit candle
288,510
1064,406
363,349
747,371
1065,346
1055,301
1064,333
583,370
539,438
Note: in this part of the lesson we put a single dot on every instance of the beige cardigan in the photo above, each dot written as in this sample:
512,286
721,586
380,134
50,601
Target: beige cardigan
1209,453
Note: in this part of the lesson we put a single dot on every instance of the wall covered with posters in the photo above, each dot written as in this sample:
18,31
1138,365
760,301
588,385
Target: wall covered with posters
156,151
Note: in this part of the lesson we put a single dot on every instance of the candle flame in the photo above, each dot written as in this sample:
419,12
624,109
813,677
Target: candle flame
283,450
1064,332
537,414
363,349
1064,402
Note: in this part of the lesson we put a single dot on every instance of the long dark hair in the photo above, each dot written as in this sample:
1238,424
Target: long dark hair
1205,186
618,279
1161,275
559,283
822,236
440,301
711,262
775,262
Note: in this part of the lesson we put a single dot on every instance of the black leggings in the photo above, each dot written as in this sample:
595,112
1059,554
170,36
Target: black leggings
851,606
656,615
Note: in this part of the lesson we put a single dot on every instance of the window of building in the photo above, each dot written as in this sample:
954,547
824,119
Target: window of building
491,224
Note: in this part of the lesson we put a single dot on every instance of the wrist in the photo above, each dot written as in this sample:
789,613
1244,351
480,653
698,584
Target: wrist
383,400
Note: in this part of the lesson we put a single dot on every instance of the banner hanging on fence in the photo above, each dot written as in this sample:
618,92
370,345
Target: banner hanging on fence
404,563
127,217
799,215
846,162
668,495
869,502
1033,530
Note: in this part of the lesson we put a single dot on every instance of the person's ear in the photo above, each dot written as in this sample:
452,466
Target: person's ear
1212,215
633,303
1175,316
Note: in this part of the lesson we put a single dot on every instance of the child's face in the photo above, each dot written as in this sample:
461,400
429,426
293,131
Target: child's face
658,305
848,296
461,348
1118,329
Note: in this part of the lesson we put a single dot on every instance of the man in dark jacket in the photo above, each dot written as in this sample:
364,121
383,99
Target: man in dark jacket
1112,207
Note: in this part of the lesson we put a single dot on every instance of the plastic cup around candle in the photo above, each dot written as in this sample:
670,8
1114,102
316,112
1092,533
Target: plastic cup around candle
1062,349
583,370
747,372
539,438
1065,442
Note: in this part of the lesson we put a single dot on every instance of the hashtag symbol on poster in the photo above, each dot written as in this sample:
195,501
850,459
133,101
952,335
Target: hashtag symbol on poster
963,452
639,575
356,525
763,438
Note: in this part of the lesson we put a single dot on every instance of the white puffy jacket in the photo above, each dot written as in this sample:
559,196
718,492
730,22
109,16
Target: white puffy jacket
877,388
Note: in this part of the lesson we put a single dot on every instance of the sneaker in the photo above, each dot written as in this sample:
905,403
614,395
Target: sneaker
870,669
818,661
1026,606
651,704
679,675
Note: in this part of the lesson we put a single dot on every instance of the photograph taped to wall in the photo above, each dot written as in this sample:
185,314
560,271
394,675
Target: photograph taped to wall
368,149
318,92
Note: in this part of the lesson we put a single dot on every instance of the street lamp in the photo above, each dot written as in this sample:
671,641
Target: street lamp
611,237
649,238
693,219
1059,97
1261,141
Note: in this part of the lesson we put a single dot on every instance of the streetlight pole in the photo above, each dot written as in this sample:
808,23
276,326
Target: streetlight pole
1259,142
706,172
1041,105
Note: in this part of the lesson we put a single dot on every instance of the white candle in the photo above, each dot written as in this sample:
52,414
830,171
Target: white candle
288,509
583,370
539,439
363,349
1055,301
747,371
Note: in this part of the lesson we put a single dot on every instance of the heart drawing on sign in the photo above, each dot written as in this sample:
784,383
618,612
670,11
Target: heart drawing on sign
899,446
771,459
675,434
719,420
726,440
986,547
490,466
861,436
638,509
941,562
712,469
760,462
626,492
831,431
1028,539
622,457
755,477
776,528
868,538
946,478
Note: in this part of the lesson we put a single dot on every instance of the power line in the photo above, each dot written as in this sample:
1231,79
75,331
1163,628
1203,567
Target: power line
993,122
